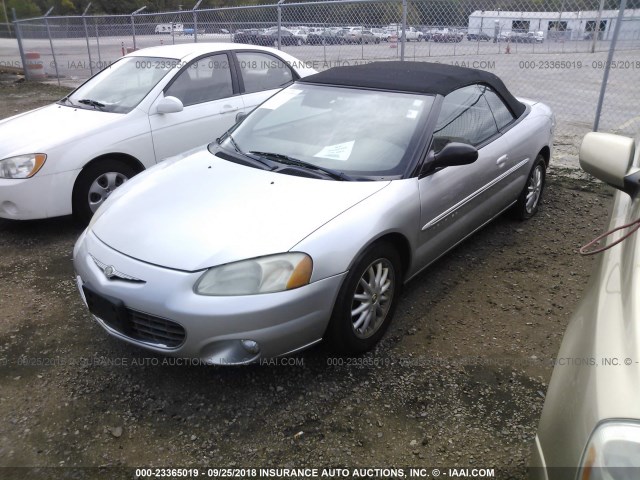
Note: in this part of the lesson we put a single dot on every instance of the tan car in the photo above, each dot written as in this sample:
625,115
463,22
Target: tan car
590,424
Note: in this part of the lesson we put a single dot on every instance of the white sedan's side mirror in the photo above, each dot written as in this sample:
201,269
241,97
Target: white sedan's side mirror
609,158
170,105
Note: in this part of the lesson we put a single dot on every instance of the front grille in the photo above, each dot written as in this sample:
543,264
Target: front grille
147,328
156,330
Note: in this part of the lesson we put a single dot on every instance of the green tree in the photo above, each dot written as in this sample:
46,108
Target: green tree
24,9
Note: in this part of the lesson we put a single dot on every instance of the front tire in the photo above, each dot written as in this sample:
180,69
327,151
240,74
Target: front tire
529,200
367,300
95,184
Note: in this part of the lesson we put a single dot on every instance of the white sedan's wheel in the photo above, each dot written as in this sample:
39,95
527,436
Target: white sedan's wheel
96,183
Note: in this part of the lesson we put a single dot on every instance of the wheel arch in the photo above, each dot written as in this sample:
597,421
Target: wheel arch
546,154
125,158
398,241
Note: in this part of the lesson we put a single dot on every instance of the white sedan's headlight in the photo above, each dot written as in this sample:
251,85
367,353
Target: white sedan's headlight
613,452
274,273
22,166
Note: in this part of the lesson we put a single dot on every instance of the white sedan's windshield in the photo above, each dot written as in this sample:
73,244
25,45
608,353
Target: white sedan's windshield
353,131
122,85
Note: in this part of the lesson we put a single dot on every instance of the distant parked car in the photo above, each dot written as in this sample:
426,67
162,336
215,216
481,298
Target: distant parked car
590,423
327,38
380,33
304,220
270,38
366,37
169,28
411,33
191,31
479,37
506,36
523,37
219,34
247,36
447,36
149,105
301,33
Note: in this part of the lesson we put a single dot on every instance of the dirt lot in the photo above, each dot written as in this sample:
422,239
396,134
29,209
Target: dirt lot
458,380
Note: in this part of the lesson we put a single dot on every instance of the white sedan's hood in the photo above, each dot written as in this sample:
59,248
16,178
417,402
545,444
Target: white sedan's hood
39,130
203,211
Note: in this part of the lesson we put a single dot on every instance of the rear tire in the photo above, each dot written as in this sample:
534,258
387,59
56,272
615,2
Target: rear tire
95,184
367,300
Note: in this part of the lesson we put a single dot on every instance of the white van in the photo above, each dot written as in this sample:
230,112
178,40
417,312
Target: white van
169,28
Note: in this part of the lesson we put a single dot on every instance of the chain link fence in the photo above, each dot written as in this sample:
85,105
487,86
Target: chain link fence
553,51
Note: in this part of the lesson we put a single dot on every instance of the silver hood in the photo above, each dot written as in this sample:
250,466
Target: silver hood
202,211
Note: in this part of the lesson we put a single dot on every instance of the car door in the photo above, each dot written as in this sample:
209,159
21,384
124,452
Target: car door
261,75
455,201
210,100
514,167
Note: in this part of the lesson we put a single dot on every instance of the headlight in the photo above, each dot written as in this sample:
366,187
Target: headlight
274,273
612,453
22,166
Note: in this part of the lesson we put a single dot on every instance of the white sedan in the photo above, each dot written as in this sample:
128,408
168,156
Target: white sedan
149,105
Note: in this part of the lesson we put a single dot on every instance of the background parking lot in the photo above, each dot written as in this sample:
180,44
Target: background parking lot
458,379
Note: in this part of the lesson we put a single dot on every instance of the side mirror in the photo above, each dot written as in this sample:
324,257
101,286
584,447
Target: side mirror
453,154
169,105
609,158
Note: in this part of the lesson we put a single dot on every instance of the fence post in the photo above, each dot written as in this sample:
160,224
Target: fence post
20,48
404,29
86,36
95,24
53,52
195,22
607,67
596,32
133,25
280,2
133,32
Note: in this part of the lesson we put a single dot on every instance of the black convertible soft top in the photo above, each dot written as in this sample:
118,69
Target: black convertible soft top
417,77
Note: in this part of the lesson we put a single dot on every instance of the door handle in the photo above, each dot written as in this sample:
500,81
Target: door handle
229,109
502,159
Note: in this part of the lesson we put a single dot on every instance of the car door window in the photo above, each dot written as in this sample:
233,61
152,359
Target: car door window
500,111
262,71
465,117
205,80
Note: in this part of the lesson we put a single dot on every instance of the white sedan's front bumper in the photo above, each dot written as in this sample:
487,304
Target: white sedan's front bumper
161,312
41,196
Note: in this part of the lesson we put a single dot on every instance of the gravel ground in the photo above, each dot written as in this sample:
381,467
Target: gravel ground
458,380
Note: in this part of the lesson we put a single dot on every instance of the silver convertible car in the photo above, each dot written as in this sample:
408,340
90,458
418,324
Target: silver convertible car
305,219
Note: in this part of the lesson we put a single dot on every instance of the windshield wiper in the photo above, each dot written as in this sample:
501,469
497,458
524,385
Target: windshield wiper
91,103
239,150
287,160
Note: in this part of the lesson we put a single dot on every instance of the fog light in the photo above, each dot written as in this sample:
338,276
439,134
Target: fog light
250,346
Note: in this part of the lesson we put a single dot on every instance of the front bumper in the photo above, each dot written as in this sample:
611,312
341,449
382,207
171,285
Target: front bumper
41,196
213,328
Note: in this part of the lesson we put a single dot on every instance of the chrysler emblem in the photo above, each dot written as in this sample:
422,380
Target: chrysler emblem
112,273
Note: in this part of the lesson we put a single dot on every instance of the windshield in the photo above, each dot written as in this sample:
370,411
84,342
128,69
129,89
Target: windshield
120,87
362,133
